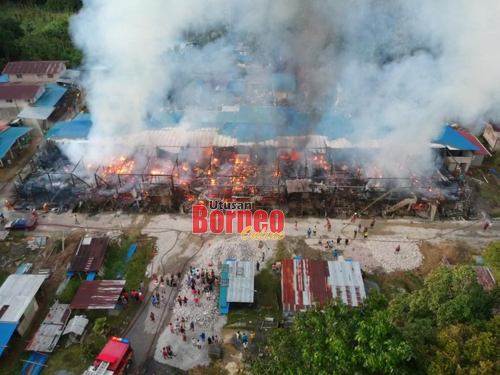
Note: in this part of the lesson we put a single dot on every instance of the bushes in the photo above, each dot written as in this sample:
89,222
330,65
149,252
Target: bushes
69,292
492,258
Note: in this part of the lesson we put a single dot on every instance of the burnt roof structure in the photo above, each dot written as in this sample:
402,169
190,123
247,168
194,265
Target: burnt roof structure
51,329
33,67
98,295
89,254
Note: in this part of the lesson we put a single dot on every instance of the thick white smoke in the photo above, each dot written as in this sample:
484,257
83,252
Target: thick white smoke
405,68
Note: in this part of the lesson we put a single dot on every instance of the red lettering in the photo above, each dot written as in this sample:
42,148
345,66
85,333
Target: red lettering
230,215
200,223
244,215
260,220
216,221
276,221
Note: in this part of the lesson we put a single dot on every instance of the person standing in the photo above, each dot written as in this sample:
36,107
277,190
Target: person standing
164,352
152,317
366,233
45,208
184,338
244,337
209,340
372,223
171,327
355,233
198,343
347,241
257,266
9,206
238,336
486,226
309,232
354,217
76,220
314,231
192,326
193,341
398,249
335,255
296,229
338,240
202,336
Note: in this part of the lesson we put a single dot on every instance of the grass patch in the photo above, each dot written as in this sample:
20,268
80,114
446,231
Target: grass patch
16,235
135,270
3,276
69,292
281,251
70,359
267,301
492,258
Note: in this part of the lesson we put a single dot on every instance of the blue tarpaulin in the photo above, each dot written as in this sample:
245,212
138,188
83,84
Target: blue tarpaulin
130,254
9,137
6,332
32,368
91,276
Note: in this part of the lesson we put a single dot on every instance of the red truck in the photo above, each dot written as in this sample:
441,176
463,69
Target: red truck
114,358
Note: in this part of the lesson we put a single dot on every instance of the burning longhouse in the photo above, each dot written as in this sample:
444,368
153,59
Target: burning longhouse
235,158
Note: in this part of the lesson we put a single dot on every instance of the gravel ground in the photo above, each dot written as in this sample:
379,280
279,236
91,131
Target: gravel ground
206,314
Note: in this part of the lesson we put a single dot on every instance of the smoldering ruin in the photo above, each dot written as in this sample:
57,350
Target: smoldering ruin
312,107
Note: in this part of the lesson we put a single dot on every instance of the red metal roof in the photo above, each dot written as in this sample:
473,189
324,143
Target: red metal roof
305,281
33,67
89,257
113,352
485,278
472,139
100,294
12,91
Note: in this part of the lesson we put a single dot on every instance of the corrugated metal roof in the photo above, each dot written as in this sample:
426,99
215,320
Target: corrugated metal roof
225,141
33,67
16,294
485,278
9,137
51,95
6,332
316,143
472,139
304,186
95,295
36,113
15,91
76,129
305,281
241,281
89,255
51,329
450,137
76,325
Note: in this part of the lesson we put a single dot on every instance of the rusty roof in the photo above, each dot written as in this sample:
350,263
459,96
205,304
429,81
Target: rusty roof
13,91
33,67
98,295
485,278
89,254
305,281
49,333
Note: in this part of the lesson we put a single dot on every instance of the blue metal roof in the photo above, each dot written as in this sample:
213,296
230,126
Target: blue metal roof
32,368
9,137
283,82
37,113
237,87
6,332
4,78
51,96
83,117
452,138
70,130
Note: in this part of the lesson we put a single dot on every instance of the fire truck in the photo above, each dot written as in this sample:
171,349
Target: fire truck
114,358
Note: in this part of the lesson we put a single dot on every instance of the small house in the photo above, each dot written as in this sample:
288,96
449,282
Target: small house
34,71
492,136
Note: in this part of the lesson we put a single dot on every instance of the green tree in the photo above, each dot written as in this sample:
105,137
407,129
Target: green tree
450,296
464,350
338,340
10,33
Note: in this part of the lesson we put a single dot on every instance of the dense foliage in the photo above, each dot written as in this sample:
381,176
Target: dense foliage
37,33
444,328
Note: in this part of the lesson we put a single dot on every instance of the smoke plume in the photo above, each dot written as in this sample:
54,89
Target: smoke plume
397,70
